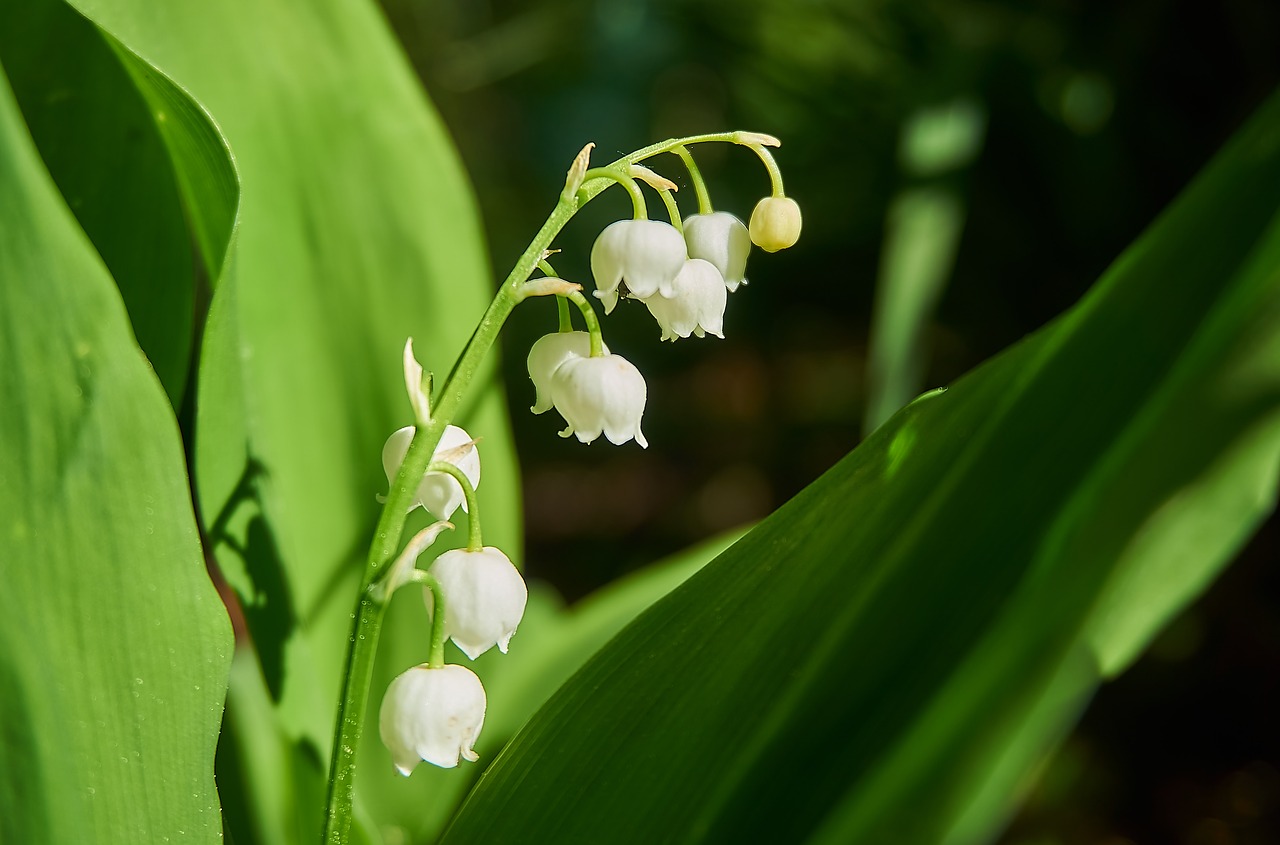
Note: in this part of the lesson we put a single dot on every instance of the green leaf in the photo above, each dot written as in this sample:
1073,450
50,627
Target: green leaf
115,644
98,140
354,229
889,656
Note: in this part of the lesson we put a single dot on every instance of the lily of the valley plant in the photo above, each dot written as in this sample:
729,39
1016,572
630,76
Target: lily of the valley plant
683,271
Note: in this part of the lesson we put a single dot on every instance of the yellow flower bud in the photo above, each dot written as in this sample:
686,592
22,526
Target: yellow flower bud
775,223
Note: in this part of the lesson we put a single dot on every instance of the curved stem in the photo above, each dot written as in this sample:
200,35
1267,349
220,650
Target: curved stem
775,175
695,176
474,543
436,658
562,307
641,211
673,210
593,322
562,311
366,624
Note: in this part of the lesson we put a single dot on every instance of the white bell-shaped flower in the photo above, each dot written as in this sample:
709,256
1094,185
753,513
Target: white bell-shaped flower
600,394
697,306
645,254
722,239
775,223
438,492
433,715
484,598
545,357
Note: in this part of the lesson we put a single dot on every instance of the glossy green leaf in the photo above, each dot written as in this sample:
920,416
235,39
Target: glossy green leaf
887,657
354,229
115,644
96,136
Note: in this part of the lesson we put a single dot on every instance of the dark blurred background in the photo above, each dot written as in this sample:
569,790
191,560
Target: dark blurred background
1077,123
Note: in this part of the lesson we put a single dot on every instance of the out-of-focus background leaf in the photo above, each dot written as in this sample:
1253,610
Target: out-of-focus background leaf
892,654
1096,116
115,645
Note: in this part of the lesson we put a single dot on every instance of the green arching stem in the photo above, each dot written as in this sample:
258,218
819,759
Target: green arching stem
427,580
593,323
474,541
566,318
673,210
641,211
775,175
695,176
366,624
562,307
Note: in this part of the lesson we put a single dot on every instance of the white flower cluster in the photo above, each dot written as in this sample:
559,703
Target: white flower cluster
476,596
683,279
434,713
602,394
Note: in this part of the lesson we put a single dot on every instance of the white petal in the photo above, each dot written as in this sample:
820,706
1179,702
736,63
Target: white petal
437,492
484,598
433,715
605,394
697,304
546,355
645,254
722,239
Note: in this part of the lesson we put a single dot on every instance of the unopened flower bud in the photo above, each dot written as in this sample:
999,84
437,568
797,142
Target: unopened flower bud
697,306
775,223
643,254
484,598
433,715
606,394
438,492
722,239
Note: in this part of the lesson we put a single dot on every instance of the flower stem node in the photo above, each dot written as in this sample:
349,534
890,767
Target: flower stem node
600,394
433,715
697,306
646,255
438,493
775,223
722,239
545,357
484,598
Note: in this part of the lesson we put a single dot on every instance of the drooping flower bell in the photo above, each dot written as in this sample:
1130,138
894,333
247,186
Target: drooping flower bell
646,255
722,239
438,492
775,223
433,715
484,598
697,306
545,357
606,394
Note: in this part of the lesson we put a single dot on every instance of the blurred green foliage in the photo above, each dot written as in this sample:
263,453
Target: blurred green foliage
1097,114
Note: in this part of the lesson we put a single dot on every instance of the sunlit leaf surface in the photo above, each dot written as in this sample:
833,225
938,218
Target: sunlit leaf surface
115,645
887,657
354,228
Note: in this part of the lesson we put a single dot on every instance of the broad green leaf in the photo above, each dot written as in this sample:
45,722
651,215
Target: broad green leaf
115,644
354,229
889,656
97,138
